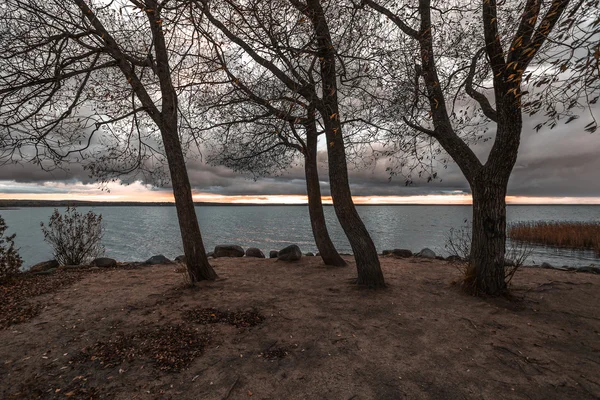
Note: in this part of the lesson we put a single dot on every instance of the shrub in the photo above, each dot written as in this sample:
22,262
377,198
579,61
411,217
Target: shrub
74,237
10,260
458,243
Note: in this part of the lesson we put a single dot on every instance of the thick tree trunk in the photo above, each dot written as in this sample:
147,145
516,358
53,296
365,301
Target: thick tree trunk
485,274
365,253
326,248
193,246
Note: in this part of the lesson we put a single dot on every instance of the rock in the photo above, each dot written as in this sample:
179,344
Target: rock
426,253
591,269
159,259
546,265
224,250
402,253
254,252
72,267
509,263
309,254
180,259
387,252
290,253
454,258
104,262
210,254
44,266
46,272
273,254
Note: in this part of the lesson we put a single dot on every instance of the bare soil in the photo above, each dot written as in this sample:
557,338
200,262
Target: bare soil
276,330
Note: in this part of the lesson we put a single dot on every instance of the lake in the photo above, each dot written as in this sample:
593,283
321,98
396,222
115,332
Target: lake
137,233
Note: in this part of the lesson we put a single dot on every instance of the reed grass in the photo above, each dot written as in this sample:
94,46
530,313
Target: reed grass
573,235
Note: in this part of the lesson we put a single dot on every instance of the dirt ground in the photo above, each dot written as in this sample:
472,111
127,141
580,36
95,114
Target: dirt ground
306,334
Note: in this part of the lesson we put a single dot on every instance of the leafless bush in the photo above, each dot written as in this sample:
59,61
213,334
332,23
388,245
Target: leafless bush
516,254
10,260
75,237
458,244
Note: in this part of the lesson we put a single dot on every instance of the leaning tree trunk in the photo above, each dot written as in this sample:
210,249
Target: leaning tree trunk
193,247
485,274
326,248
195,255
365,253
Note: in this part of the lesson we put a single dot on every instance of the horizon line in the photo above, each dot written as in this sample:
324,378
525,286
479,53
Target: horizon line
199,198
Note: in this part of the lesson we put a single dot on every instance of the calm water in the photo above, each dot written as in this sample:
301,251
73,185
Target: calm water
136,233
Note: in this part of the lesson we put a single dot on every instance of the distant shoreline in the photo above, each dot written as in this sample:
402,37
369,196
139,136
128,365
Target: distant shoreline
17,204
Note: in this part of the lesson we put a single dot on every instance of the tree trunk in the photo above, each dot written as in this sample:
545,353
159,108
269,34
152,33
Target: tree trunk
365,253
326,248
195,255
485,274
193,247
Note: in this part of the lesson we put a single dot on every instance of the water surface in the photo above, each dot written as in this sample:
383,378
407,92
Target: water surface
136,233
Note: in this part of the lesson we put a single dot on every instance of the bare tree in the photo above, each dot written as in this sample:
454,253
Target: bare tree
99,83
290,42
253,133
535,55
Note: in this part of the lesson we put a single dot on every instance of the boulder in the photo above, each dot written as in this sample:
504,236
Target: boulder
180,259
546,265
273,254
509,263
104,262
309,254
210,254
254,252
228,250
454,258
72,267
159,259
46,272
592,269
44,266
402,253
290,253
426,253
387,252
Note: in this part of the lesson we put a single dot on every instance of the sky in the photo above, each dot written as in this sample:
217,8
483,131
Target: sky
558,166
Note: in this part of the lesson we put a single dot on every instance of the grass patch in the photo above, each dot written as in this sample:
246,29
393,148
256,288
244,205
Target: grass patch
240,319
170,348
573,235
15,295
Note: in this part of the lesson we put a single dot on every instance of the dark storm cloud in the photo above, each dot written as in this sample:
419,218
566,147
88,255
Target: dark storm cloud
559,162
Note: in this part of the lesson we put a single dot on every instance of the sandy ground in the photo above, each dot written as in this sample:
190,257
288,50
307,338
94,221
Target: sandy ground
321,338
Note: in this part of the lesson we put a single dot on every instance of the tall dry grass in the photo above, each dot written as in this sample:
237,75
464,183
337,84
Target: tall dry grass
574,235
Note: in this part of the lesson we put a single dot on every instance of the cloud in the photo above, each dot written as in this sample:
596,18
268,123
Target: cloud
556,163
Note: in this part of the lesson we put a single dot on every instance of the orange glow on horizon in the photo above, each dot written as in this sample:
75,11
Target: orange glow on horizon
163,196
139,192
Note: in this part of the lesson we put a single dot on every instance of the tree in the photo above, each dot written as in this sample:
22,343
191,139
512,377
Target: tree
99,84
255,130
520,49
292,43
